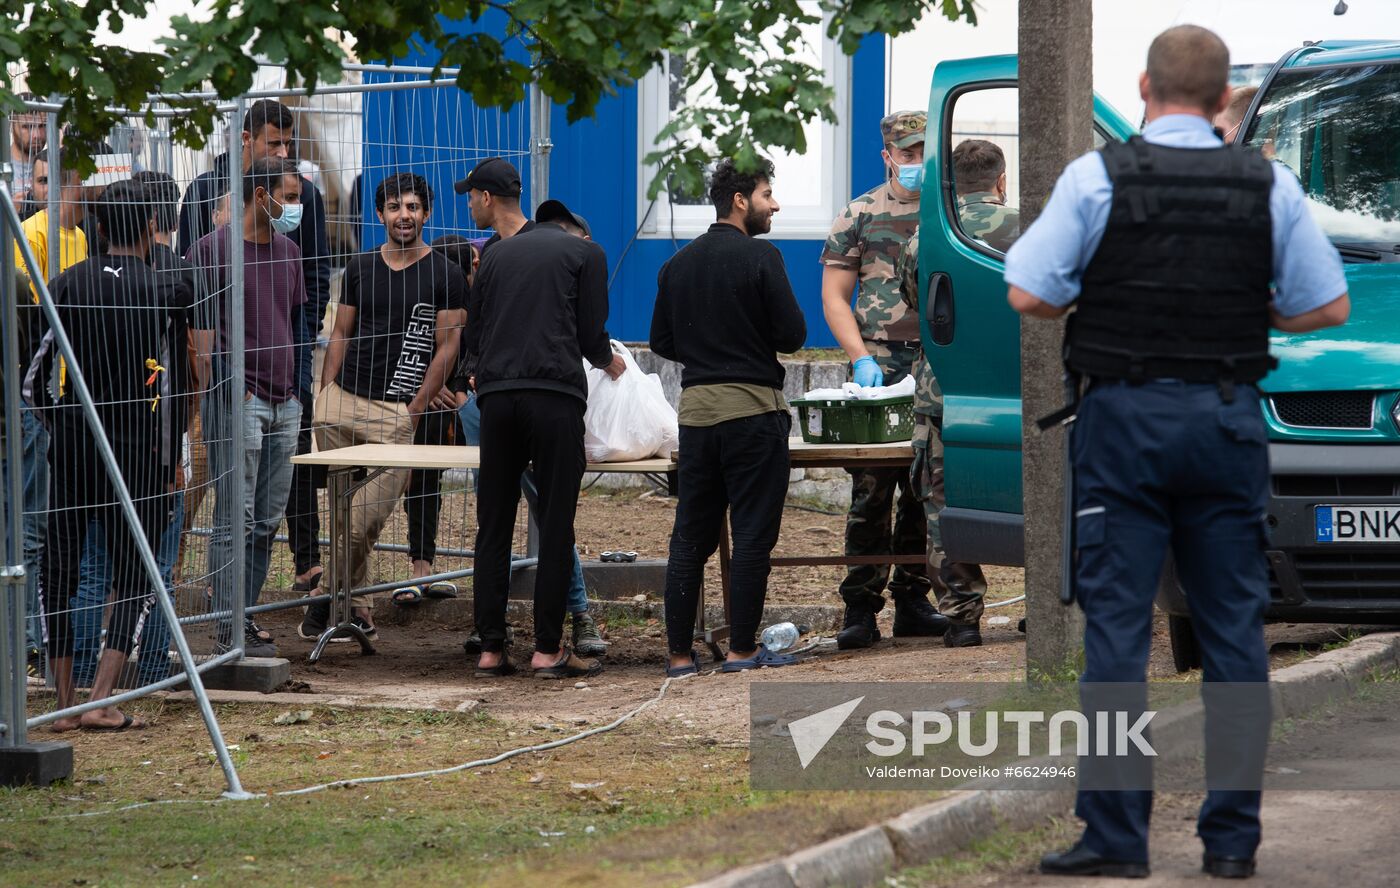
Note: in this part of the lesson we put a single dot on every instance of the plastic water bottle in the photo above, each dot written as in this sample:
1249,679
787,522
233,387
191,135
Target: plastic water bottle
779,637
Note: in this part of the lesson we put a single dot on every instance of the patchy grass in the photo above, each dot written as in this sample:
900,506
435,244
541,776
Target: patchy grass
634,807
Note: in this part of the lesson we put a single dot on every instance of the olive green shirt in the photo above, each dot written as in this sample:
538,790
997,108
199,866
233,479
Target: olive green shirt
709,405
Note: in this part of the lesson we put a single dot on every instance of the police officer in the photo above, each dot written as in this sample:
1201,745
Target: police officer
1168,245
961,587
881,337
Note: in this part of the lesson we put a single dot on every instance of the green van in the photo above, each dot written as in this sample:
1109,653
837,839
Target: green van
1328,111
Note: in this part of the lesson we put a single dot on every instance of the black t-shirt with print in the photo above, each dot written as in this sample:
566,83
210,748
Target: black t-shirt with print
395,322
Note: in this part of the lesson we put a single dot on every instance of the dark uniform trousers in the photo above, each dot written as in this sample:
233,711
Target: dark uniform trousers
544,430
1162,467
868,530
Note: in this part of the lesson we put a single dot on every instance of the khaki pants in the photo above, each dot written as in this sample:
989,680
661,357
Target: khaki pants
344,420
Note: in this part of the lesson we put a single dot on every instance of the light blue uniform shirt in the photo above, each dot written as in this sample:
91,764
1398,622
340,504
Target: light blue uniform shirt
1049,259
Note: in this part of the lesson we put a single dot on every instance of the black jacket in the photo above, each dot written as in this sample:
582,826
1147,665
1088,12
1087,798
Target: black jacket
537,309
724,308
197,220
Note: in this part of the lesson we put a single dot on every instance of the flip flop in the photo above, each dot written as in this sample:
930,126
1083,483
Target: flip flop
763,657
128,724
441,590
407,595
682,671
570,666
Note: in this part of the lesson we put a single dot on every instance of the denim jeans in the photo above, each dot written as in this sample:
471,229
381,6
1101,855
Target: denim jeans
470,415
95,580
35,475
269,442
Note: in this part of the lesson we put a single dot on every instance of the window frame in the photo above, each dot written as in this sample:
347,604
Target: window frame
666,220
945,185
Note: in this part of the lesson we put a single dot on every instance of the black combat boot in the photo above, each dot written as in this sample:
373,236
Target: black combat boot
858,630
915,615
964,635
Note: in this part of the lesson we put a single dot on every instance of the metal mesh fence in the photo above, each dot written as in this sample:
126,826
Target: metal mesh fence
300,284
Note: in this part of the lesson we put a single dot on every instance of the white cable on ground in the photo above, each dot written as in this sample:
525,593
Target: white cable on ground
359,781
1017,600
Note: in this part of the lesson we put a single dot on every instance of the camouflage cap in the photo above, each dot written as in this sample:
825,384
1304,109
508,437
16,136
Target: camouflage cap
904,128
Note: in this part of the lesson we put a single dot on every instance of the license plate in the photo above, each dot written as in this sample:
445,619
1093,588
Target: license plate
1358,524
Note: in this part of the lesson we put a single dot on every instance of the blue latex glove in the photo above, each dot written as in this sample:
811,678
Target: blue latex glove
867,373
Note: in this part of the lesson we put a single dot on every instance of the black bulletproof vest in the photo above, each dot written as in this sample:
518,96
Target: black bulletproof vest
1179,286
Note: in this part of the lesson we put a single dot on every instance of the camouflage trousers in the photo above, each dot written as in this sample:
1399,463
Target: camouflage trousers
960,587
868,530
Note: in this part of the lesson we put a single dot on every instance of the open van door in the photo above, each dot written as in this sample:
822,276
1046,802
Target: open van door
970,334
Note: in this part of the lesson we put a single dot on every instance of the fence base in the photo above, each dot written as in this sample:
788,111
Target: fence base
36,764
261,674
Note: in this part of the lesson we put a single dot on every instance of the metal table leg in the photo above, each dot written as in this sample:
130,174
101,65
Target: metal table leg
341,493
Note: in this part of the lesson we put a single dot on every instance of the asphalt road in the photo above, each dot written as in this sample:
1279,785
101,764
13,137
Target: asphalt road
1344,838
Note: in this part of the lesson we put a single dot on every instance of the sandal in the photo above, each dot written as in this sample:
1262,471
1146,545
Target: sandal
500,670
128,724
407,595
683,671
570,666
762,657
440,590
309,586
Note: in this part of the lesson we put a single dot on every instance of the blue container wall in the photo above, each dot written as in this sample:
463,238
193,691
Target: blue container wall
593,169
439,134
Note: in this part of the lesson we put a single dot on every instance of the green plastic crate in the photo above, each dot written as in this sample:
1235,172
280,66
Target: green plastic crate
855,422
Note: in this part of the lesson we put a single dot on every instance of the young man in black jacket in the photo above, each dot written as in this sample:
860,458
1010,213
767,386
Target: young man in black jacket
724,307
538,308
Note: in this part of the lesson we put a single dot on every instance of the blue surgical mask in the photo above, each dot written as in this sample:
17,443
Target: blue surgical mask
290,218
911,176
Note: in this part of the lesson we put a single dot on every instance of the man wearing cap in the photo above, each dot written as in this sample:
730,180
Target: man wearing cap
587,638
881,338
538,308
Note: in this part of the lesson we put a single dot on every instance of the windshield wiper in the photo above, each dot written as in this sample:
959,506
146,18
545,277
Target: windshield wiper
1369,251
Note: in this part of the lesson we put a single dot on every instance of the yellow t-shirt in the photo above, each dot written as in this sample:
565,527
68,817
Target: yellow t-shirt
72,247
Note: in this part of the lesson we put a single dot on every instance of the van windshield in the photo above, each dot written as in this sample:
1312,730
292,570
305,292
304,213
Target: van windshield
1338,129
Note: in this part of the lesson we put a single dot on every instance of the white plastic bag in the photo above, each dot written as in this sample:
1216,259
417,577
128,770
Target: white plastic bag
629,417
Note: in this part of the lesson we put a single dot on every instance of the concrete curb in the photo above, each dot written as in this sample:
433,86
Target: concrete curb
867,856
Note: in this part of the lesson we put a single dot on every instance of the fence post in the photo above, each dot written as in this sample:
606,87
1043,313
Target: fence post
540,147
20,761
83,395
237,361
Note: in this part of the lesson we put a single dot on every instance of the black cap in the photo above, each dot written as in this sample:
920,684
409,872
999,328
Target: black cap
555,211
494,175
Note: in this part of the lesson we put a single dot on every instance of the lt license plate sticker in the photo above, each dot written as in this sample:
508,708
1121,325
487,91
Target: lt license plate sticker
1358,524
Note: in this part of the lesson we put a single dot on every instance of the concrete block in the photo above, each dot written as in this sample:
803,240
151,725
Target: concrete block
1300,689
941,828
36,764
604,581
1022,809
859,858
261,674
1180,731
763,875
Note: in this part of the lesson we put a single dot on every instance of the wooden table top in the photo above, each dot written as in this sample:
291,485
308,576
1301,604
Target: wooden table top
439,456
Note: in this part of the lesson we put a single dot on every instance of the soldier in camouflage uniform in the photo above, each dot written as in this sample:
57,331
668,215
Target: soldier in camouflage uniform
979,175
961,587
881,337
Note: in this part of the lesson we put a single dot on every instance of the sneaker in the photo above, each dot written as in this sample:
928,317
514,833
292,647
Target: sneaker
257,642
363,626
318,614
588,640
35,661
